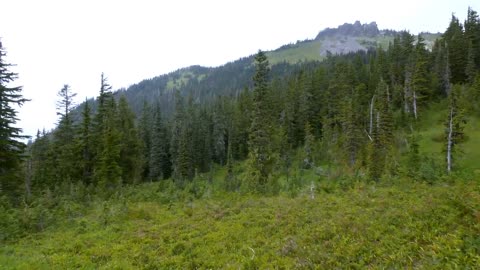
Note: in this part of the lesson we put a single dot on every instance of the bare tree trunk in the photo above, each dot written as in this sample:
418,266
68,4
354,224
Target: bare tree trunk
450,141
371,115
415,104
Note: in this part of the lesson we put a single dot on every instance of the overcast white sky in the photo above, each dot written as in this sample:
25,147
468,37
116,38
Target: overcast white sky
72,42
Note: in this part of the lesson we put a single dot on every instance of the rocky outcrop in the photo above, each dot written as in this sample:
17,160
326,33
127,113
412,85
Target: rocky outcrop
352,30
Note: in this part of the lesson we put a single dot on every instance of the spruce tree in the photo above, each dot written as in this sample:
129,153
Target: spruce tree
11,146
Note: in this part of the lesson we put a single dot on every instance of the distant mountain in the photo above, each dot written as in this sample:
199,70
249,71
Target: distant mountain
203,83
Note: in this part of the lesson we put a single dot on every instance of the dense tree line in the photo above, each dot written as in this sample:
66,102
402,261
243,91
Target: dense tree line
358,112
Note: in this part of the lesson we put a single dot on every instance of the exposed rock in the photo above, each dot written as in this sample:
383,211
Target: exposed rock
348,29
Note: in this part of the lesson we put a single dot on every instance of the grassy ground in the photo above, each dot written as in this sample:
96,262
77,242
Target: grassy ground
303,51
432,139
401,225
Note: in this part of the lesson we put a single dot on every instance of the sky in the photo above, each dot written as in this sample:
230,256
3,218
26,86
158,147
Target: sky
53,43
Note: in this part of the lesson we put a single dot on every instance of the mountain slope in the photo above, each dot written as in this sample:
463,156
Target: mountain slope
203,83
346,38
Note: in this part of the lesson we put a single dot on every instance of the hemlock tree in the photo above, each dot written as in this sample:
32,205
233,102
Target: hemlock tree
259,163
11,149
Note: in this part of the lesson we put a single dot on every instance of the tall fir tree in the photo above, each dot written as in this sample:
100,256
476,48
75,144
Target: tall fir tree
11,146
108,173
259,139
63,143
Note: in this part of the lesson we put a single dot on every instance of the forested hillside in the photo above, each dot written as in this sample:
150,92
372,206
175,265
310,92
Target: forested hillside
318,137
205,84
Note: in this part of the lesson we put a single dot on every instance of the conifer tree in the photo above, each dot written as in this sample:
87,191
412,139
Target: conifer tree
64,137
160,166
420,80
145,134
84,145
181,143
230,180
219,133
456,48
352,125
472,34
11,147
382,136
241,124
308,161
130,156
104,103
470,69
413,159
259,139
108,173
42,162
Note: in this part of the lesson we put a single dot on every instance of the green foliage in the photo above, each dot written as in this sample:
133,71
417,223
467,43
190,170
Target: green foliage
259,161
130,159
11,148
404,225
159,159
296,154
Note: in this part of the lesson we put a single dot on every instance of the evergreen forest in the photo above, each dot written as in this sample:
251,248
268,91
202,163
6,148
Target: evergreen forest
366,159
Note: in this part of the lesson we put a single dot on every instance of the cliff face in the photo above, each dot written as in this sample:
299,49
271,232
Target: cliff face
352,30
